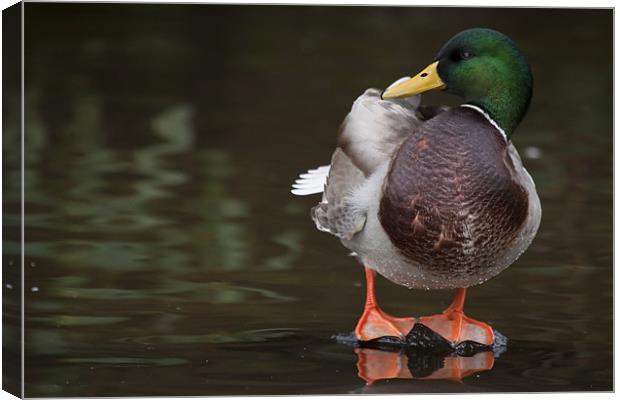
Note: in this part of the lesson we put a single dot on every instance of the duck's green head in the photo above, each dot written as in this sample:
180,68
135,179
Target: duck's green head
485,68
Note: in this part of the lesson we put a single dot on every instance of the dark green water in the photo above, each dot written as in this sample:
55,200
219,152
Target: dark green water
166,256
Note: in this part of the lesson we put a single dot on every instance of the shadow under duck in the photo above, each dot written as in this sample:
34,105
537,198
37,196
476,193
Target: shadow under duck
434,198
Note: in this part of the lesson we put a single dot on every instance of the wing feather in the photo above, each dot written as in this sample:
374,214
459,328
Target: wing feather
368,137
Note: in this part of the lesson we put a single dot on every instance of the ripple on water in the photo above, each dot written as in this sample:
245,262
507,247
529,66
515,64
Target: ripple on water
128,361
179,291
250,336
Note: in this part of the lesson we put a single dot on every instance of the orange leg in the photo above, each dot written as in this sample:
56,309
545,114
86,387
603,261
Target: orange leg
455,327
374,323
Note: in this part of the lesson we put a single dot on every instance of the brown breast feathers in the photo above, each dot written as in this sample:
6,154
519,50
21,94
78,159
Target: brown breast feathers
450,201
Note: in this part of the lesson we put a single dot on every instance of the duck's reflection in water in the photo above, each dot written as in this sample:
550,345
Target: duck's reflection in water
374,365
423,355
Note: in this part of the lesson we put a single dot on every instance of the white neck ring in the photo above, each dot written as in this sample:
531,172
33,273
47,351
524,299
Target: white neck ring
488,117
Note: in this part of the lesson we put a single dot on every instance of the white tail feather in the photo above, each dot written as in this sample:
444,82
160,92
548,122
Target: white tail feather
311,182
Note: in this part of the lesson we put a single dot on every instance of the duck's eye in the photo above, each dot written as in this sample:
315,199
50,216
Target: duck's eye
460,55
466,55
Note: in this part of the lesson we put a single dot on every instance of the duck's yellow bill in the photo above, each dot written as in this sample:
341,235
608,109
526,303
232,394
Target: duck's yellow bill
426,80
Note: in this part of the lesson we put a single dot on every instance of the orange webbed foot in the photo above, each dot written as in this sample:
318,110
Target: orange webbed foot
374,323
456,327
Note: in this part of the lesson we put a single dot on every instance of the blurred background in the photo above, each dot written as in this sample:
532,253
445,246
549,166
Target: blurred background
166,256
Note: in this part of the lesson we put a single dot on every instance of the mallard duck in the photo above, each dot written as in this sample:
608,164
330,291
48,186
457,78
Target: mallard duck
434,197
